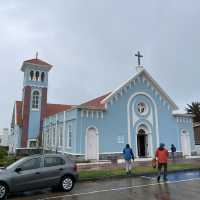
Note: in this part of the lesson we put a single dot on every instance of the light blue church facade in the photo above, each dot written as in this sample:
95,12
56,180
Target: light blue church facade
139,113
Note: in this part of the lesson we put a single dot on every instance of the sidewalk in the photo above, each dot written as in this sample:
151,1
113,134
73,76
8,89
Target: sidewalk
107,164
106,169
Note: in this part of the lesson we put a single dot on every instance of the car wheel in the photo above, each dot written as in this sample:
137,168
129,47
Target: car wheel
67,183
3,191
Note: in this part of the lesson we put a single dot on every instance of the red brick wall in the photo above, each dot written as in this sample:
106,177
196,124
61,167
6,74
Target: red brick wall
43,112
25,116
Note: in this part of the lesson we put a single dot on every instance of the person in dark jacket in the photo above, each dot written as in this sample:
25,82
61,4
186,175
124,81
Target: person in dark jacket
128,155
162,159
173,150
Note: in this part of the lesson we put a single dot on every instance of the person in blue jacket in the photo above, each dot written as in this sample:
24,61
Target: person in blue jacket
128,155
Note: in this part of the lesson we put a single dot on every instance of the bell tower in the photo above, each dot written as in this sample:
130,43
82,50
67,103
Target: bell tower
34,100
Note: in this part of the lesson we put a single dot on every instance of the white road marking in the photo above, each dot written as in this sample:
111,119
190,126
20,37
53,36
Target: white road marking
119,189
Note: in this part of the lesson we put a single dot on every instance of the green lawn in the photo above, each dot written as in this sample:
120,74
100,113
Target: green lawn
92,174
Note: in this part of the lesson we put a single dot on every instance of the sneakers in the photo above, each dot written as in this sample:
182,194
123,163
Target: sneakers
158,179
165,179
128,173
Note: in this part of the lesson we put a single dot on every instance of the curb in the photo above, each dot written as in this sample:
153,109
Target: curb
133,175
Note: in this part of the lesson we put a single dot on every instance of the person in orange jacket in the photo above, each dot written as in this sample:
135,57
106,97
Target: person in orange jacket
162,155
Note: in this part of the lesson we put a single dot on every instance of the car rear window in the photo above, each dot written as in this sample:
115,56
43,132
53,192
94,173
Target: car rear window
53,161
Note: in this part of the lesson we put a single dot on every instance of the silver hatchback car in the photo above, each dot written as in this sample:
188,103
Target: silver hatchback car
37,172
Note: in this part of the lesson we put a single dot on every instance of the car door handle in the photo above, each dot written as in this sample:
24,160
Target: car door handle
60,169
37,172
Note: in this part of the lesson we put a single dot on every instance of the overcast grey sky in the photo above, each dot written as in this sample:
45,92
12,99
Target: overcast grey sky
91,45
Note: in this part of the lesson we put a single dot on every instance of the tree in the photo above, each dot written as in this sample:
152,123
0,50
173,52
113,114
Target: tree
194,109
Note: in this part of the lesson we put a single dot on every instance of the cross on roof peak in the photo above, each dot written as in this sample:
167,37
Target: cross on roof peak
139,57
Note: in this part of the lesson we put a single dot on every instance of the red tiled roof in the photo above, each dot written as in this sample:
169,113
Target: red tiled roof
55,108
96,103
51,110
37,62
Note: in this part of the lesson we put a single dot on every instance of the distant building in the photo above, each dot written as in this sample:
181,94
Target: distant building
4,137
138,112
197,136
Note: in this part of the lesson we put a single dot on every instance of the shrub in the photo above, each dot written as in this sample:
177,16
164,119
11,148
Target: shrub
3,153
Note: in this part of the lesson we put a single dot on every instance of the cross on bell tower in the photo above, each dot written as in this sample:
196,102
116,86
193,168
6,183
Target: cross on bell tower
36,55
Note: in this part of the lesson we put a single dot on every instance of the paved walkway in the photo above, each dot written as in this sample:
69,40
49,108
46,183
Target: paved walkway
137,162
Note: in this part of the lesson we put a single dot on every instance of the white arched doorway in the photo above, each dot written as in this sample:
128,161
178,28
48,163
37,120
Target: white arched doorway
185,143
92,144
156,131
143,141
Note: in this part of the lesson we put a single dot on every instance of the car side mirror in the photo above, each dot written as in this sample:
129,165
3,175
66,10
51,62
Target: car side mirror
18,169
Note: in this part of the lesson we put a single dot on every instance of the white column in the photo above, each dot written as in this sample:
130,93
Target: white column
56,142
64,129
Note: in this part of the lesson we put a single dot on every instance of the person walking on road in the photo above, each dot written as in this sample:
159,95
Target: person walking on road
162,159
173,150
128,155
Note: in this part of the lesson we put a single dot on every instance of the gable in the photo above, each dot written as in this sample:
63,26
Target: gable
145,77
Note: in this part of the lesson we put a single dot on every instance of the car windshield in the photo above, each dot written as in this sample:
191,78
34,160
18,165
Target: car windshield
15,163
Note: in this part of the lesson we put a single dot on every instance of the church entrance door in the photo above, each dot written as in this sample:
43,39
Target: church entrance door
92,144
142,143
185,143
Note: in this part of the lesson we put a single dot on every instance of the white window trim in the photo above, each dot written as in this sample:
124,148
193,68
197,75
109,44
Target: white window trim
39,101
39,78
60,127
53,129
32,140
30,75
68,130
187,133
86,136
64,130
129,116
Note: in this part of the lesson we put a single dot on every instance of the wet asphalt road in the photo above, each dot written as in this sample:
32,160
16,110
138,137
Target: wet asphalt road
180,186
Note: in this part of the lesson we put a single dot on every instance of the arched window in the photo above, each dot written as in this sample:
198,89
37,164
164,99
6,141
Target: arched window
35,99
42,77
37,75
31,75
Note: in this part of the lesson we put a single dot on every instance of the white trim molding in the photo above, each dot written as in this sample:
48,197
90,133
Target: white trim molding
39,99
69,131
148,131
97,140
185,148
129,117
33,140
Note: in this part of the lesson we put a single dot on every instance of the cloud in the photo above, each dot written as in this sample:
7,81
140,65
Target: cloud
91,45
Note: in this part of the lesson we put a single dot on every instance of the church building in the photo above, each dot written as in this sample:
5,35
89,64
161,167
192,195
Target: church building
138,112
